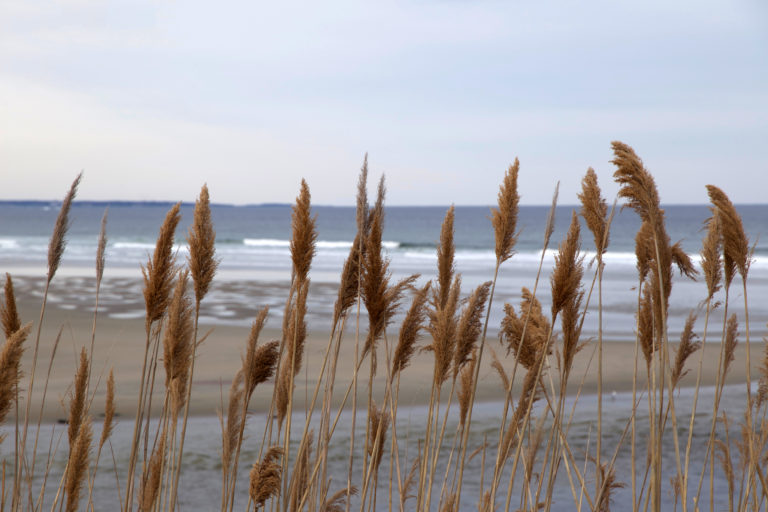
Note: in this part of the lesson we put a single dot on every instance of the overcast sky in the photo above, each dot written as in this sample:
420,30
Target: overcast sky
153,98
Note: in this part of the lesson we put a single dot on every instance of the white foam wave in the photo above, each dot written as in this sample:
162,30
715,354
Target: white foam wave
320,244
9,243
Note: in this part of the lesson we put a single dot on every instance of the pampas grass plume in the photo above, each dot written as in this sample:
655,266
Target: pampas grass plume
59,237
504,218
10,368
202,249
77,470
594,209
735,242
109,409
160,269
265,477
101,248
304,234
409,331
9,315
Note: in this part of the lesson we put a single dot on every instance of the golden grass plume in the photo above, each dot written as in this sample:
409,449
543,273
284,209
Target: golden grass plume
10,368
594,209
59,237
735,242
504,218
303,235
202,250
9,314
265,477
409,331
536,329
160,269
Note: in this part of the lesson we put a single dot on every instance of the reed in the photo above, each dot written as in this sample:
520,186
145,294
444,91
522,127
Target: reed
542,336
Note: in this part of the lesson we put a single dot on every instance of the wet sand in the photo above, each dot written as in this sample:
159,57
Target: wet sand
120,343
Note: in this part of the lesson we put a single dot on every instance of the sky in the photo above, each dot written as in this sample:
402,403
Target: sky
151,99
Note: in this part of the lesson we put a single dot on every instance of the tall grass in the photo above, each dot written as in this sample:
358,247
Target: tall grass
427,470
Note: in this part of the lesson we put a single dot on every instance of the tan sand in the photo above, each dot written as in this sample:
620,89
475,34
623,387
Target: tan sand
120,344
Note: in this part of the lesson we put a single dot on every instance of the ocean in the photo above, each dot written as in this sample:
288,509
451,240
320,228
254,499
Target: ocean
252,244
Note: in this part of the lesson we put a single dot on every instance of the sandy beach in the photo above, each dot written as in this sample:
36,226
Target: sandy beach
120,345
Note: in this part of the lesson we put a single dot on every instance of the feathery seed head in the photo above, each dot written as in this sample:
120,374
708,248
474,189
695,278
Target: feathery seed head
735,242
470,326
568,271
710,257
594,209
303,235
8,312
526,340
101,248
409,332
59,237
202,246
10,368
160,269
504,218
265,477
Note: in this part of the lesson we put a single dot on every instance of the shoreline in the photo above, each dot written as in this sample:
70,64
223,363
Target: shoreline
120,344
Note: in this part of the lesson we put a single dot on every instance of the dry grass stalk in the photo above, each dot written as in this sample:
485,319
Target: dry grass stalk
150,483
296,335
160,269
9,315
362,198
445,254
109,410
201,239
644,250
379,423
409,483
735,242
465,389
304,234
409,331
637,184
261,366
350,281
470,326
504,218
375,274
711,265
549,228
568,271
442,326
231,432
178,343
101,248
499,368
337,501
536,332
10,368
570,317
300,476
609,484
265,477
689,343
731,340
77,469
724,456
59,237
594,209
645,326
528,395
77,404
